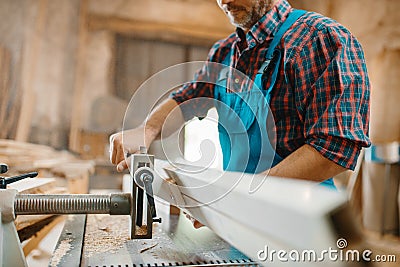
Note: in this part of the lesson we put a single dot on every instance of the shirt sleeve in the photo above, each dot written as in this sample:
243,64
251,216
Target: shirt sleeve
332,94
195,97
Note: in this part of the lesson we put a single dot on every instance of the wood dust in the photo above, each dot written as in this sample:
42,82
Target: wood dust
62,249
142,230
105,233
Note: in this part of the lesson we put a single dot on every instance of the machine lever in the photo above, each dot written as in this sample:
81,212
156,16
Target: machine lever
4,181
147,181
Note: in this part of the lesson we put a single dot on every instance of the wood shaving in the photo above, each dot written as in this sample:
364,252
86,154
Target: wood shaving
145,249
142,230
62,249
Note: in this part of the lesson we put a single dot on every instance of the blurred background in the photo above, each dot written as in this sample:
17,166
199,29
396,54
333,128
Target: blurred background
68,69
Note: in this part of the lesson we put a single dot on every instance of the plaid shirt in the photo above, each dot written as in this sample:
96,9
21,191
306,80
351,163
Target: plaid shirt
321,95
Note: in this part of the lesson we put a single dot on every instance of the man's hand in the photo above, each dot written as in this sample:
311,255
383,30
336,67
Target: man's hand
127,142
144,135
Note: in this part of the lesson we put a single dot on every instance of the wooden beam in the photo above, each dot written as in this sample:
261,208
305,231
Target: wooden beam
5,61
38,237
79,78
34,185
176,33
37,231
28,74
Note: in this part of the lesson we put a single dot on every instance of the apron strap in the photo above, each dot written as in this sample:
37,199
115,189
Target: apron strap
290,20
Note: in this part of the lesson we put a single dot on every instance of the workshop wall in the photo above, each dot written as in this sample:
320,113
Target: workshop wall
41,38
44,39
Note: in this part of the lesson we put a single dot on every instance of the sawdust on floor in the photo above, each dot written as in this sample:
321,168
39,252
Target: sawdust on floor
105,233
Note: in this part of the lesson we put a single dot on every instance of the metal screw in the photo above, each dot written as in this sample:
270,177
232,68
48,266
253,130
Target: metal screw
69,204
157,220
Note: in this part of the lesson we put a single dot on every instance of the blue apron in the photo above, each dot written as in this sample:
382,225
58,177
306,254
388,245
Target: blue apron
242,123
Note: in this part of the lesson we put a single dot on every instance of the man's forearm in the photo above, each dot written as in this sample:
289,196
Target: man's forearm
308,164
166,117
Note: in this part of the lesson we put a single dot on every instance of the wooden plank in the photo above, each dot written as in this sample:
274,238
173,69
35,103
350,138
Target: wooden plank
32,229
28,74
214,197
177,33
33,185
5,61
38,237
79,79
77,175
93,144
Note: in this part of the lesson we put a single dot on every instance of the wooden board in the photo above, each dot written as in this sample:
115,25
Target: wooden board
5,61
79,79
29,73
25,157
34,185
35,240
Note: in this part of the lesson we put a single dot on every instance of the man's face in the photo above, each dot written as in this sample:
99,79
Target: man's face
245,13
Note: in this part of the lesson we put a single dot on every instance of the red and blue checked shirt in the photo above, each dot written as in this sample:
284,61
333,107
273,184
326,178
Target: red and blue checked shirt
321,96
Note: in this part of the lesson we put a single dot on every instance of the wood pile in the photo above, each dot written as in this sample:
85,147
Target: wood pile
67,169
59,172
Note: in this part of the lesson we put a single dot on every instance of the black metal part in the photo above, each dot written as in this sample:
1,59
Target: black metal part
149,193
120,204
3,168
145,180
4,181
139,206
142,184
137,214
142,163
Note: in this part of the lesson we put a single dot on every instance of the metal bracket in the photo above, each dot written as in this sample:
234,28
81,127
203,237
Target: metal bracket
142,166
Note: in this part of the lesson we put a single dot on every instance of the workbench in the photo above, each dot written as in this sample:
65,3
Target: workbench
296,215
103,240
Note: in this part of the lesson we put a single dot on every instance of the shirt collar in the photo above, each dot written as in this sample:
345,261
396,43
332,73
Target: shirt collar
267,26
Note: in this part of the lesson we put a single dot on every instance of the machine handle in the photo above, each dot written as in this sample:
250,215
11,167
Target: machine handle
149,193
4,181
144,178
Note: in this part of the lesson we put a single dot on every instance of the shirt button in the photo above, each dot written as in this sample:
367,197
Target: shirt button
236,80
260,39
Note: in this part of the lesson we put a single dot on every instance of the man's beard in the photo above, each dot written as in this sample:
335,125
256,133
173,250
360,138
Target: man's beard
252,15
